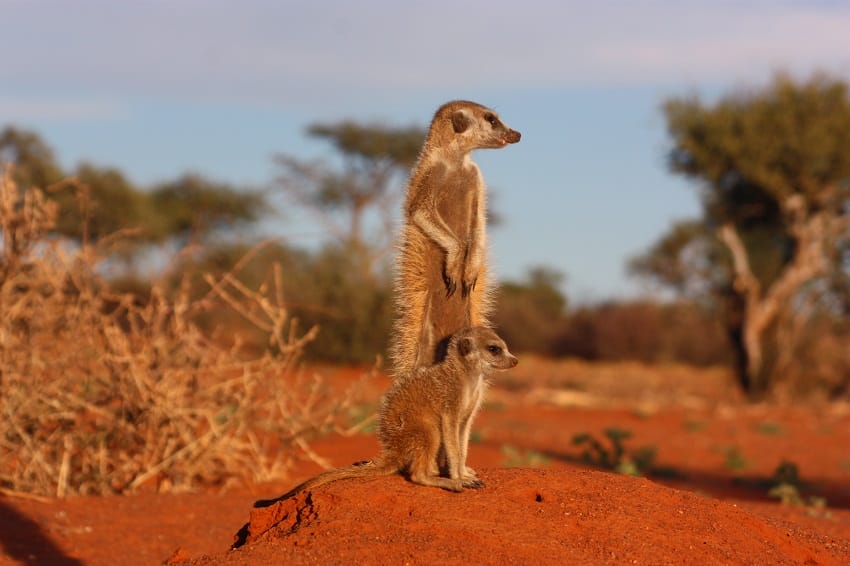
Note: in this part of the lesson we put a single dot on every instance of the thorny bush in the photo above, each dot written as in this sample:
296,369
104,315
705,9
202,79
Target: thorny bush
103,393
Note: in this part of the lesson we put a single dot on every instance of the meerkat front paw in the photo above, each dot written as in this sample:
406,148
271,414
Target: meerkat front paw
470,278
451,284
452,274
471,273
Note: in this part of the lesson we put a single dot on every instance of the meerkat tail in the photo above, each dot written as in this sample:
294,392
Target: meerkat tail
373,468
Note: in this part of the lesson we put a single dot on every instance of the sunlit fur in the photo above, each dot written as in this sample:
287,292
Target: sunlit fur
426,417
442,283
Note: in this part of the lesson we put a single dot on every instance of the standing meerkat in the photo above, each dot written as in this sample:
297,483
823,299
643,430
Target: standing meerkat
441,272
427,414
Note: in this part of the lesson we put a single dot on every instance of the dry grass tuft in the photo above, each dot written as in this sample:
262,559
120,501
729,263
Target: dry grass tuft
101,393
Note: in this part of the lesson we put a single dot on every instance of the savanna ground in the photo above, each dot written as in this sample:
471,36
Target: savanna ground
763,483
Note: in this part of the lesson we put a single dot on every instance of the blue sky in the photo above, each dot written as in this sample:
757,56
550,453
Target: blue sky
157,88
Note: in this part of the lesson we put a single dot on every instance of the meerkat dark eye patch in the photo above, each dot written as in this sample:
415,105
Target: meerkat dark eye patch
493,349
492,119
460,122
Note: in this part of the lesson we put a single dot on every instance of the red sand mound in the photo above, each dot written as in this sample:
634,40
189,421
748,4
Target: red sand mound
558,516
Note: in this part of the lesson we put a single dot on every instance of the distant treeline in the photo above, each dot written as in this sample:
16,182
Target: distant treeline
761,278
354,312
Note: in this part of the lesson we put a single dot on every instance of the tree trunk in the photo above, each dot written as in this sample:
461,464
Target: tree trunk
758,309
734,321
745,296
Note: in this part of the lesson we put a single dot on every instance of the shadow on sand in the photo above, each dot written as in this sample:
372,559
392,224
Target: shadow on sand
24,541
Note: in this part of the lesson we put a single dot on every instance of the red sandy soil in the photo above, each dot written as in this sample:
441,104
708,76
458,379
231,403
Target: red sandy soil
705,499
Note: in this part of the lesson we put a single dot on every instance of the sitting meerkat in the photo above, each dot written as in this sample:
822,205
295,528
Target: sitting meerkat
443,237
428,414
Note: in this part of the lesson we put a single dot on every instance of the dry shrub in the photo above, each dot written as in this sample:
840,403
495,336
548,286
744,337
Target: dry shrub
100,393
646,331
813,359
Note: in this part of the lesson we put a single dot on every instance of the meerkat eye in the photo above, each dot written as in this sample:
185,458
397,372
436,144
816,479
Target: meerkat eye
492,119
493,349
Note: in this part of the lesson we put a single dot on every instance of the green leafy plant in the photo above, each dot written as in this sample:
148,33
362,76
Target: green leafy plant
786,486
523,459
476,437
735,460
770,428
612,455
361,418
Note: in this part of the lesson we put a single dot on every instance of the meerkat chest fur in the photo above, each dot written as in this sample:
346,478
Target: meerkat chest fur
458,195
473,393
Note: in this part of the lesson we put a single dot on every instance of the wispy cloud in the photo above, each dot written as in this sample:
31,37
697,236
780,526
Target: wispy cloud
726,42
280,52
34,109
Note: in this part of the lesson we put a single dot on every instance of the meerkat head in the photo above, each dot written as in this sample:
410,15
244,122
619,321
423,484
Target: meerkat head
469,126
481,346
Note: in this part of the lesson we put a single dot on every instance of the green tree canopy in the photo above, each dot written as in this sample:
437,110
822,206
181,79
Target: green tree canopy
789,139
98,201
397,146
101,202
35,164
192,206
374,158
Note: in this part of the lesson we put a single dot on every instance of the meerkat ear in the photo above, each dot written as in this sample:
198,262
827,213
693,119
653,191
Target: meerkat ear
460,121
465,346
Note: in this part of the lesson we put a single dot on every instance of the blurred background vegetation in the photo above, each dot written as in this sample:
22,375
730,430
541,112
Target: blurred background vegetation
760,282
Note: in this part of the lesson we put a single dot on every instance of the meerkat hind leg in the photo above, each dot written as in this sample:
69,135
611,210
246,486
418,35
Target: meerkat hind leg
423,469
421,472
418,477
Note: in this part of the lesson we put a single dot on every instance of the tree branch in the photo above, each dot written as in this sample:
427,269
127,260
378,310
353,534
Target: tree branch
743,279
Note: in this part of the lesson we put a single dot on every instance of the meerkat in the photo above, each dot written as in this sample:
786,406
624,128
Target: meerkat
443,237
428,414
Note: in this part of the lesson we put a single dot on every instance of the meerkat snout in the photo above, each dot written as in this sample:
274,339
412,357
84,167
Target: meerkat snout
500,357
512,136
505,135
512,361
504,360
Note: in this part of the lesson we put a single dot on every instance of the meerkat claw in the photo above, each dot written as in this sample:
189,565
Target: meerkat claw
451,286
468,288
